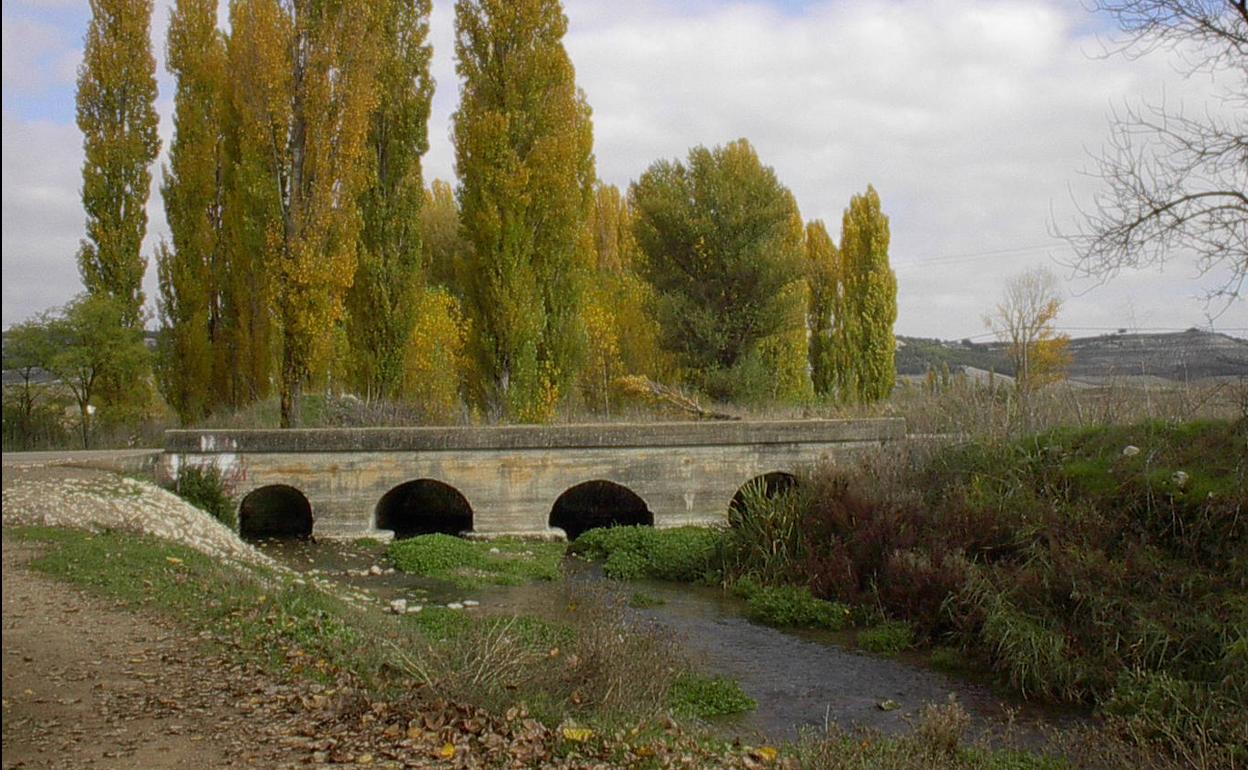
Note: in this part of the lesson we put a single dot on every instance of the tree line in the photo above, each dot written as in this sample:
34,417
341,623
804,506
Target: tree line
306,250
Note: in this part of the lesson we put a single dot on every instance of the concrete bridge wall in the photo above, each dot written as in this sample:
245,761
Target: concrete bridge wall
687,473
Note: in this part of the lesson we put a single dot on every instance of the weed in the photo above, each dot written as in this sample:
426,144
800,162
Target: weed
642,600
793,606
681,554
708,696
887,638
470,564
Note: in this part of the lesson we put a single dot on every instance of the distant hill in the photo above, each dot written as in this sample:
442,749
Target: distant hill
1174,356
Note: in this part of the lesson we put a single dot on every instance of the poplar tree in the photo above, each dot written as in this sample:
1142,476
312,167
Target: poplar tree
382,304
524,156
304,114
188,269
117,116
256,124
865,328
823,277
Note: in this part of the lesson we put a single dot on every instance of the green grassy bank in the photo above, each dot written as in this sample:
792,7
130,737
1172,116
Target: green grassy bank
1103,566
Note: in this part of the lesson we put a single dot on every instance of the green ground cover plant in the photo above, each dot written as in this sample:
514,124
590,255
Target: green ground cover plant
887,638
795,607
686,554
708,696
471,564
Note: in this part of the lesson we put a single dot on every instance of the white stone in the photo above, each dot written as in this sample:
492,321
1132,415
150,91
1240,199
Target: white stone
398,606
455,606
374,570
414,608
471,603
1130,450
1179,478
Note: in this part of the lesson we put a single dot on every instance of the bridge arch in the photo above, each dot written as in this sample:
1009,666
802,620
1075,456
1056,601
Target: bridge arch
423,507
772,484
598,503
276,510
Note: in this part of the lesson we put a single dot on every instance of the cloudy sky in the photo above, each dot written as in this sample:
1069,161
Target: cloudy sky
973,119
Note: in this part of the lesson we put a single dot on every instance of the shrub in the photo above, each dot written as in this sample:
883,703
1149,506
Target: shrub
708,696
766,536
793,606
203,487
887,638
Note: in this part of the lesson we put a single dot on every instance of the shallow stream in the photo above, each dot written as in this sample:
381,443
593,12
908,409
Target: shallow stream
799,678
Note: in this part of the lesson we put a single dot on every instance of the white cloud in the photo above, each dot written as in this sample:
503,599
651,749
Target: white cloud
972,119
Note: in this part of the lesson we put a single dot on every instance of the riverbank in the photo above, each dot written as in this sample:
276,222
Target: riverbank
366,687
1104,567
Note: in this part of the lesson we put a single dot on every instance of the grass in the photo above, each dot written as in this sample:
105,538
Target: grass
587,667
471,564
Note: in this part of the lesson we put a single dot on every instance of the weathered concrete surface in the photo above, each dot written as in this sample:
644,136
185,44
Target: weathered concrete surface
687,473
139,462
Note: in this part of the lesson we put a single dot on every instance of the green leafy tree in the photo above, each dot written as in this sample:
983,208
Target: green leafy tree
94,347
722,240
28,351
823,277
524,156
382,303
117,116
190,310
863,332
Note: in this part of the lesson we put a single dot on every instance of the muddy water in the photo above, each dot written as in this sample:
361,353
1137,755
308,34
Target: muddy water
798,678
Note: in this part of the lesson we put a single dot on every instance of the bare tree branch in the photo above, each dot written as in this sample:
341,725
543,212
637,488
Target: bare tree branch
1174,185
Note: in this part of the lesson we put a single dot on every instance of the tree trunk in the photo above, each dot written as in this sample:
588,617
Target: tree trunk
292,395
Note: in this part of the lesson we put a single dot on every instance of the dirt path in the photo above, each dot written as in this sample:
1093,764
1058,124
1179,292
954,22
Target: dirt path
87,684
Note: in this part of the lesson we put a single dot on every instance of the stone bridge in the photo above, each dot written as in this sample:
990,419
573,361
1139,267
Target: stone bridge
536,481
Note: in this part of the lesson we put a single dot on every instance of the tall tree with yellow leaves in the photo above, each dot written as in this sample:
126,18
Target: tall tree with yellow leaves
621,329
304,111
524,156
190,310
863,330
382,303
117,116
441,240
824,279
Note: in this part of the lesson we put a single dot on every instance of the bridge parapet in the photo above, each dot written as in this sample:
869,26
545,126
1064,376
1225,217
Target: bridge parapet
512,476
